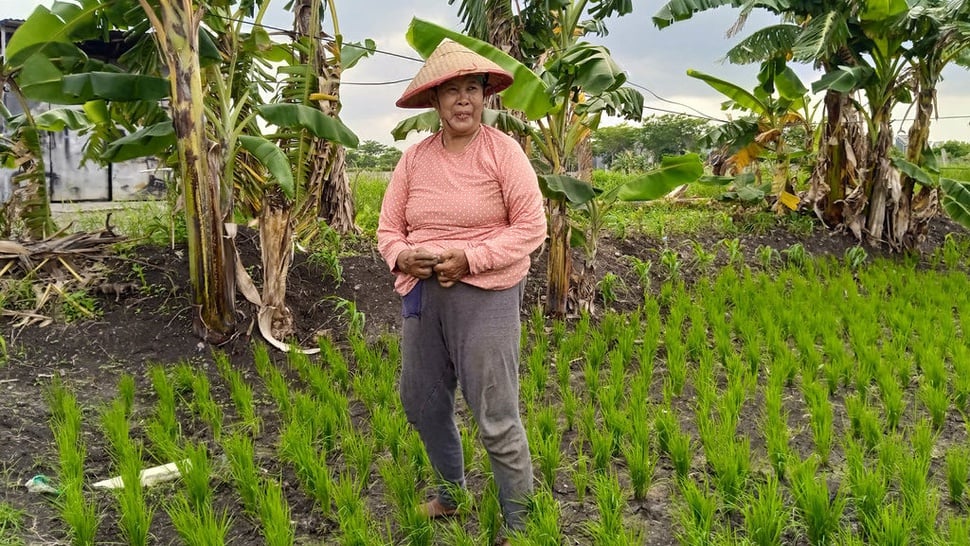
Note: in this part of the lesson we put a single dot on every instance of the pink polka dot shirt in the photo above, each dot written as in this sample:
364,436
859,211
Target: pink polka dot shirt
484,200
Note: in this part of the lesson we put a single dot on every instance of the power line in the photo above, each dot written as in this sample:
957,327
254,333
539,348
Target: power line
658,97
289,32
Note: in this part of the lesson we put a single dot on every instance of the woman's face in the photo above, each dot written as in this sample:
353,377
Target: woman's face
459,102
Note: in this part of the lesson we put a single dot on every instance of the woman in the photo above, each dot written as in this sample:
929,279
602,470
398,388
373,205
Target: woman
460,217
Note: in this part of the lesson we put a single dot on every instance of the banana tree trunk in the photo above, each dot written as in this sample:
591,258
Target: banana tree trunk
841,151
211,274
883,186
276,236
913,223
330,197
560,262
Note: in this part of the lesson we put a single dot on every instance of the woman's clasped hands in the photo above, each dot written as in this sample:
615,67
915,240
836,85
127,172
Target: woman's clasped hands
449,266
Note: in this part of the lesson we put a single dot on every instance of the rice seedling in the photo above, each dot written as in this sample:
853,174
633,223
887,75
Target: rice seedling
239,450
135,516
868,484
456,534
80,515
296,448
765,515
489,514
544,526
335,363
353,519
401,488
774,428
960,378
198,525
937,402
610,504
641,462
274,515
468,432
821,419
893,401
958,528
581,474
164,419
730,459
922,437
680,448
891,527
202,402
240,392
819,512
601,442
957,472
697,513
864,421
545,440
358,450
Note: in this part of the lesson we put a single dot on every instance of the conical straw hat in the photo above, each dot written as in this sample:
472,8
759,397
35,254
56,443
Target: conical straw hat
450,60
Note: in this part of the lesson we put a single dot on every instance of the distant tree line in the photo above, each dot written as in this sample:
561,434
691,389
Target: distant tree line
371,155
629,148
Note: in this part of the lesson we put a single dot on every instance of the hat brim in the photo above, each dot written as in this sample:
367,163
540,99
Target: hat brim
420,97
448,61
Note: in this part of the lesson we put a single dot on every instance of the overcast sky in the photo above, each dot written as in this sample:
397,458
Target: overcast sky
654,59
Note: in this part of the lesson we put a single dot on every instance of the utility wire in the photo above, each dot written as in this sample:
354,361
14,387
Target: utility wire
699,114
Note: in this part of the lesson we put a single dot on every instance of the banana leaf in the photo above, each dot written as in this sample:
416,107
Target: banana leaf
956,200
59,119
915,172
151,140
273,158
321,125
116,87
673,171
574,190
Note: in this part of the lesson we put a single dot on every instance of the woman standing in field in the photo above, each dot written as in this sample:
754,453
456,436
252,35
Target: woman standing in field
461,215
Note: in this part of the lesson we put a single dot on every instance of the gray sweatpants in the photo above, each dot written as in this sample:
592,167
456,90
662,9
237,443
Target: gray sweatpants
469,336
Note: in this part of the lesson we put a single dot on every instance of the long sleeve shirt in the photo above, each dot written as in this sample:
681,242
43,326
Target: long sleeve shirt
484,200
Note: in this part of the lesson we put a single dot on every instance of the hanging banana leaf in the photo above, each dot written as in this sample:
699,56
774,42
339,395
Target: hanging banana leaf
62,118
574,190
956,200
321,125
116,87
915,172
151,140
673,171
273,158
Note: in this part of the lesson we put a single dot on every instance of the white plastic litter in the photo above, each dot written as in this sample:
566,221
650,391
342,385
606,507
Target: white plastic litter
148,476
40,484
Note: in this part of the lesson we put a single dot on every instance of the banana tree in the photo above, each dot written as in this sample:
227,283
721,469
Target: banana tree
594,205
210,128
578,83
766,133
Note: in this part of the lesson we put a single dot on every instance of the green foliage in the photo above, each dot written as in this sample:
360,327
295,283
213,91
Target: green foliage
11,524
955,149
371,155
